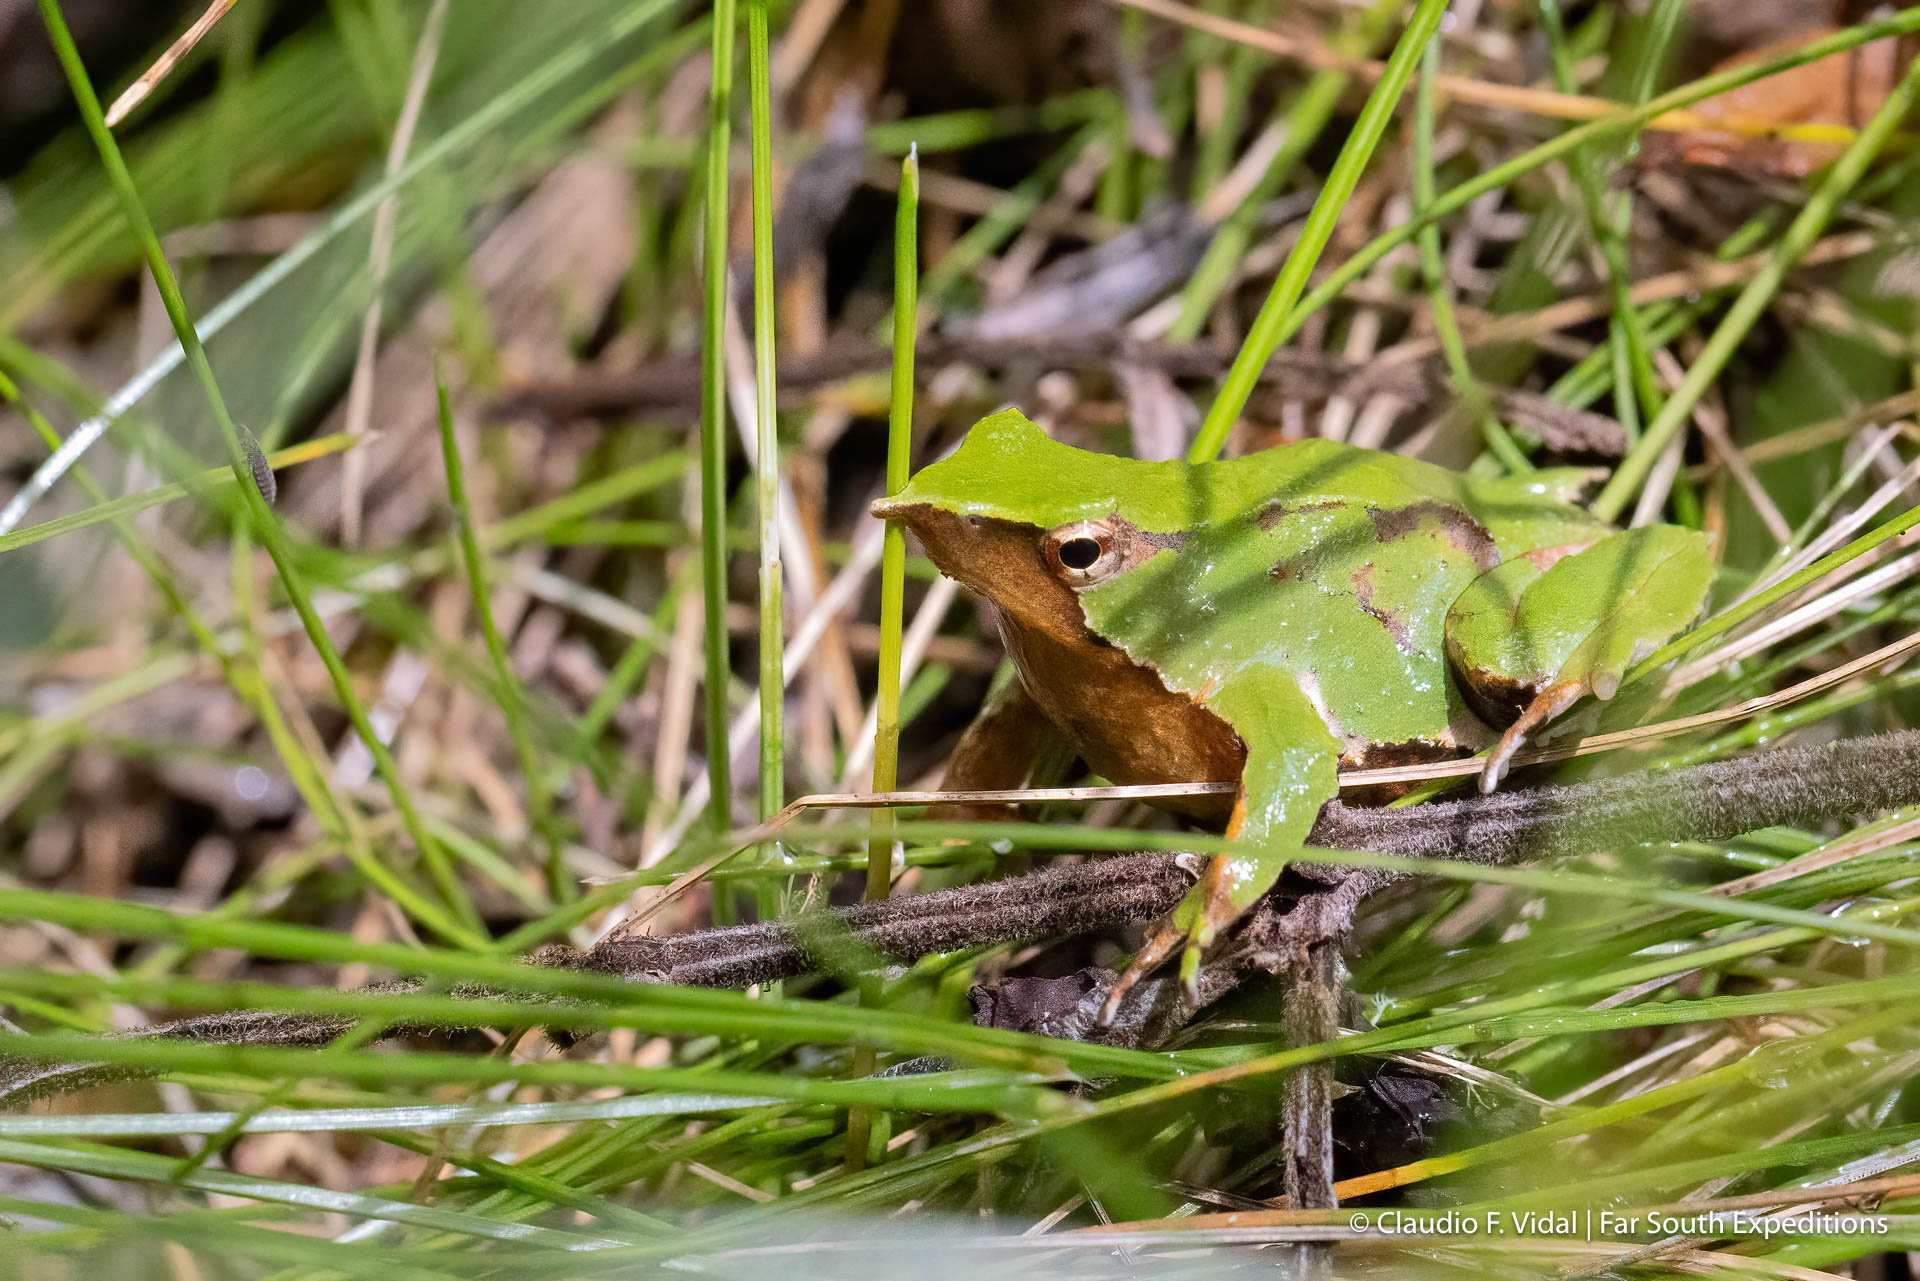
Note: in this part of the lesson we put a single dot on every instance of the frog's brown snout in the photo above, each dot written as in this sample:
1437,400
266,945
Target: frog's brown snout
916,516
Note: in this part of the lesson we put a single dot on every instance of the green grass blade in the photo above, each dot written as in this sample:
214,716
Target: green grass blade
111,509
1269,328
713,417
773,784
893,554
1473,397
1757,296
893,588
265,524
513,700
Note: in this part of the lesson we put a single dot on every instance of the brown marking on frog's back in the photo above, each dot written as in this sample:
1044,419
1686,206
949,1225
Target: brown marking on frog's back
1414,751
1545,558
1271,514
1391,619
1137,544
1459,526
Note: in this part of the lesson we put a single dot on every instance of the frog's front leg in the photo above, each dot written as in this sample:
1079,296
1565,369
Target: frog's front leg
1529,638
1005,745
1292,770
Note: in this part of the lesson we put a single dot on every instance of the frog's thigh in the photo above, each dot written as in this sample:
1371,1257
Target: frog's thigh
1527,642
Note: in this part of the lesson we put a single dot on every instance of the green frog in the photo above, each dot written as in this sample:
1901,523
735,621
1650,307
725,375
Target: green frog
1274,618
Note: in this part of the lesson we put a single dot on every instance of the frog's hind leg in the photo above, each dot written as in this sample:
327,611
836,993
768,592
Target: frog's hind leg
1194,924
1547,704
1539,632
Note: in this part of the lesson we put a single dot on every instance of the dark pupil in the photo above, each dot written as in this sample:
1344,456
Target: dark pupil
1079,553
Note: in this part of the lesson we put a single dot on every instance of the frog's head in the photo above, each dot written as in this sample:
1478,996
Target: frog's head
1028,522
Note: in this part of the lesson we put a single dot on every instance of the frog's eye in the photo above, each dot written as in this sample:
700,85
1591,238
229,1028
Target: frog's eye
1083,553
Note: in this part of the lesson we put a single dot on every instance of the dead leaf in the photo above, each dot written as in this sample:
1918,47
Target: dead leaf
1843,89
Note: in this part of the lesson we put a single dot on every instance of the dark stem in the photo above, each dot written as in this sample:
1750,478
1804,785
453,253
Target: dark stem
1800,786
1418,386
1311,1013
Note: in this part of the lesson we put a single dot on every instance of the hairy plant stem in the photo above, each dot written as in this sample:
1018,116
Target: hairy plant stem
1798,785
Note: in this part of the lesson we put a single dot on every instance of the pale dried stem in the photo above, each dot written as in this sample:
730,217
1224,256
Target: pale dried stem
1479,329
801,40
588,602
676,713
1802,439
1652,503
913,652
1822,600
1845,527
353,479
802,552
137,92
1711,419
1820,859
1464,89
1637,1066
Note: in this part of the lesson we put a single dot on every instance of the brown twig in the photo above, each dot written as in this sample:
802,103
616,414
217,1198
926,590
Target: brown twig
671,384
1798,786
1483,93
1312,1016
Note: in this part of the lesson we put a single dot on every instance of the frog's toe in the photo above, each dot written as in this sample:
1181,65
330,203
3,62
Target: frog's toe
1190,970
1547,704
1158,947
1209,907
1215,897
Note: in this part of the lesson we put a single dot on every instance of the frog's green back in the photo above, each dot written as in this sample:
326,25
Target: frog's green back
1008,469
1334,564
1350,603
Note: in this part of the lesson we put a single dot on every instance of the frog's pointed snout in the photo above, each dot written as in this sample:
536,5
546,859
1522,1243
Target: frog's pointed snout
905,508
